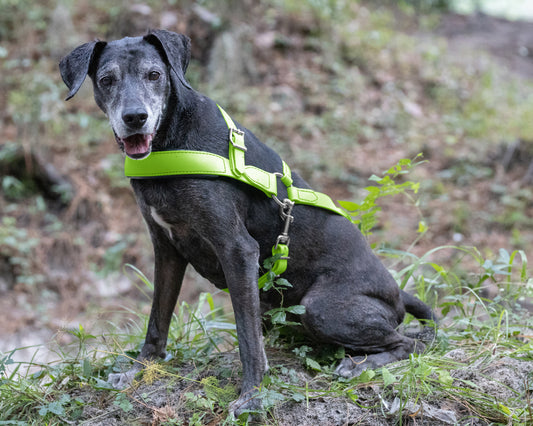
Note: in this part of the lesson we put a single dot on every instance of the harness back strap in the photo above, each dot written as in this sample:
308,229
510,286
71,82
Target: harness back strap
183,162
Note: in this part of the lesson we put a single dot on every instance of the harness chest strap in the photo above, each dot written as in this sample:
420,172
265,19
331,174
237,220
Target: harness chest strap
184,162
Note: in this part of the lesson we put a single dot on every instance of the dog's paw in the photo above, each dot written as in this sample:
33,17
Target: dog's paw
122,380
246,404
352,367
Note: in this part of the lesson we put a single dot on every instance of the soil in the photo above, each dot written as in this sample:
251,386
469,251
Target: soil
511,42
500,377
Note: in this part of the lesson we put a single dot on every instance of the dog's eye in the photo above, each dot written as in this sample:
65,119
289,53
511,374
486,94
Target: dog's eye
106,81
153,76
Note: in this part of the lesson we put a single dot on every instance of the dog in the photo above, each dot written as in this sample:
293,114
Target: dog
225,228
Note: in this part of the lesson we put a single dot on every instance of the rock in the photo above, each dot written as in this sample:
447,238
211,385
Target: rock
423,410
231,63
61,34
135,20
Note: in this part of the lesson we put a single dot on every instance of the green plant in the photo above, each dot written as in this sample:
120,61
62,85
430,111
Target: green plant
193,332
23,397
60,407
35,99
278,316
82,337
410,383
113,257
364,215
221,395
13,188
16,11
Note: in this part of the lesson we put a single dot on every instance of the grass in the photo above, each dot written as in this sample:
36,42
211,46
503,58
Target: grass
199,378
484,330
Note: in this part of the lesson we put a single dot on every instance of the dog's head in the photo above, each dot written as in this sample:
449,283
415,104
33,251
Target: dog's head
132,80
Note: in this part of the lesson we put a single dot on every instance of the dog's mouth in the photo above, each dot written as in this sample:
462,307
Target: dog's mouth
136,146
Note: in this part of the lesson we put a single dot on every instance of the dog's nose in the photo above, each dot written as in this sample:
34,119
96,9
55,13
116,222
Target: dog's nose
135,118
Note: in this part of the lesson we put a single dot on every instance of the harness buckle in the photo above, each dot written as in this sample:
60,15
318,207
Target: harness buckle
239,134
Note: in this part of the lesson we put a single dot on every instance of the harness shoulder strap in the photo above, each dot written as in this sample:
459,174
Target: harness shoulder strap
309,197
237,148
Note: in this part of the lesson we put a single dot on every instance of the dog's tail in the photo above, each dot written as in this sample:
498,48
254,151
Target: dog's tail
424,314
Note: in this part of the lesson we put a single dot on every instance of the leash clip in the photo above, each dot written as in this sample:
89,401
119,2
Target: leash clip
285,210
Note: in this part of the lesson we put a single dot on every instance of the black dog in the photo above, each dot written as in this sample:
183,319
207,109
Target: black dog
226,228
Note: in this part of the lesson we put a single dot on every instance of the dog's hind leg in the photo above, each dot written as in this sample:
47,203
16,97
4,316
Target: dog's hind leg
353,366
364,325
168,276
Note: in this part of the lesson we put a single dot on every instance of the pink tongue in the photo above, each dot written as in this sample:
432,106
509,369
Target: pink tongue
137,144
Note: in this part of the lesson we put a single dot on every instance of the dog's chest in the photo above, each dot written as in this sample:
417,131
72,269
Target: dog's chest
167,227
192,245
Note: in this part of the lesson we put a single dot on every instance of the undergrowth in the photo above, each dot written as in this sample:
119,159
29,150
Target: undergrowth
199,378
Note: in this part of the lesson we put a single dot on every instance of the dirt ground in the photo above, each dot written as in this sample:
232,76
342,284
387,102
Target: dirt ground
509,41
375,405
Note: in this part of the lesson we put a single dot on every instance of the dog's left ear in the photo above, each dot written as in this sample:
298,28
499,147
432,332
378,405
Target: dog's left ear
176,47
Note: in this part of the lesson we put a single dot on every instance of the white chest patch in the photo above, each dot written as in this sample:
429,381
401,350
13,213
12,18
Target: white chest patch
159,220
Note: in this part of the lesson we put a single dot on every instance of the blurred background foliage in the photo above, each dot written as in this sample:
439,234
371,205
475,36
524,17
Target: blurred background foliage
342,89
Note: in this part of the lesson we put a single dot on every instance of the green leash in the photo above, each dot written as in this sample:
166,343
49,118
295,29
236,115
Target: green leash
183,162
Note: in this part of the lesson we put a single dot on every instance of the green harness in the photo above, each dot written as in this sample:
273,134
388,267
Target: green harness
183,162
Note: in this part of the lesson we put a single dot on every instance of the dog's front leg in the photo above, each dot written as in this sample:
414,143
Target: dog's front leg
241,272
168,276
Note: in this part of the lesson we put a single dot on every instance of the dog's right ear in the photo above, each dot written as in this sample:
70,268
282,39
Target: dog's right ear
76,65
